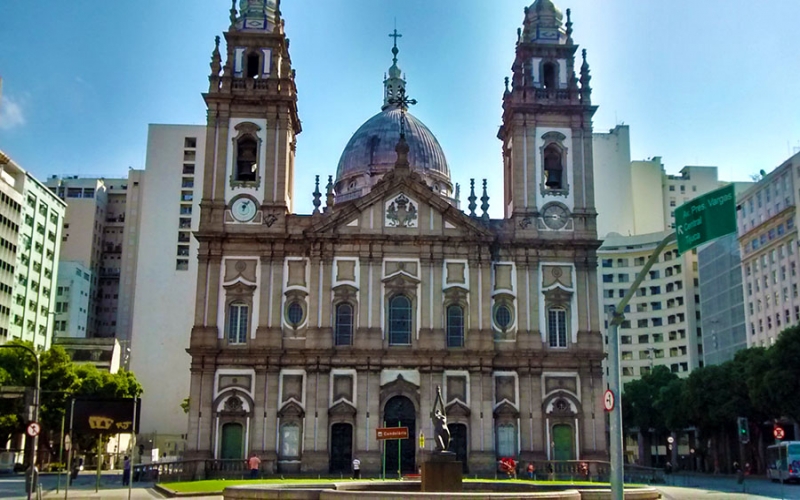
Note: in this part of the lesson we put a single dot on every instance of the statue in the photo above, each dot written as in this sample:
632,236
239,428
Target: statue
441,434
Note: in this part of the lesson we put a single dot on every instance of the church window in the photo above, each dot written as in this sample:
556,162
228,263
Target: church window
400,320
295,313
455,326
237,323
506,440
557,326
343,330
290,441
502,316
246,159
549,76
553,169
252,65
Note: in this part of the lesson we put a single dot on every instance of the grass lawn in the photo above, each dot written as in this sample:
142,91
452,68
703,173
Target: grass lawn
217,485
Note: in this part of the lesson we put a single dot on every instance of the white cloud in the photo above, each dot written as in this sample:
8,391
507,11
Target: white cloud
11,114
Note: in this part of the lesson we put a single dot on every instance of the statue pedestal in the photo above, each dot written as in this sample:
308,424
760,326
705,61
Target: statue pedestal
442,472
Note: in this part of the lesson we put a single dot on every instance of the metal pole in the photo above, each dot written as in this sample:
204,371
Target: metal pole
60,453
133,443
399,445
99,463
69,452
615,428
384,455
615,318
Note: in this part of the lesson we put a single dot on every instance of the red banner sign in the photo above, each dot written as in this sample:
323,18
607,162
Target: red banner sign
392,432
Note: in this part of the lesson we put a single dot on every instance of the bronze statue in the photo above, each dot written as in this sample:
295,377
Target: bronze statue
441,434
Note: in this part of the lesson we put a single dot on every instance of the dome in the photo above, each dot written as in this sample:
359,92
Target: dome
371,153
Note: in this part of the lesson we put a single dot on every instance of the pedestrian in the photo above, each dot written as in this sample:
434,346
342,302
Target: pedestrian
126,471
253,464
739,473
531,470
356,468
668,468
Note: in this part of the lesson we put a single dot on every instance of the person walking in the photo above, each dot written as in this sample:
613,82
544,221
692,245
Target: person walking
126,471
356,468
253,463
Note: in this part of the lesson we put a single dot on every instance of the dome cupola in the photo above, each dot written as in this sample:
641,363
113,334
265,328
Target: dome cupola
370,152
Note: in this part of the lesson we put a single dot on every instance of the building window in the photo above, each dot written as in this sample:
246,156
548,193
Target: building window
400,320
237,323
549,75
343,330
557,327
553,169
506,440
502,316
455,326
246,159
290,440
295,313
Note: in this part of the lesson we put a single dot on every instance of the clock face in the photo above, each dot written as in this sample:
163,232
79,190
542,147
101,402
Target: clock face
243,209
555,216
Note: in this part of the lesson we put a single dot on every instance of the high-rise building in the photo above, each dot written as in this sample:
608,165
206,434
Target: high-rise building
310,331
98,240
768,238
164,279
30,236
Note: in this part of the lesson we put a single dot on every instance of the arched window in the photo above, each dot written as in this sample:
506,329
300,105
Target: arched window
253,65
549,76
553,169
237,322
400,320
557,326
246,159
455,326
343,329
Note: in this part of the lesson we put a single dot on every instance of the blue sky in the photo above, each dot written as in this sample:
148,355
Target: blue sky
707,82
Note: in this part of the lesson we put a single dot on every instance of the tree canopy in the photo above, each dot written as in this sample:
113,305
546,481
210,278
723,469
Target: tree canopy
61,380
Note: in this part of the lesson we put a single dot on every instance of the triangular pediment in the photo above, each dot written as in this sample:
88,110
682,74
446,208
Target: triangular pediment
400,198
291,409
506,409
342,409
457,409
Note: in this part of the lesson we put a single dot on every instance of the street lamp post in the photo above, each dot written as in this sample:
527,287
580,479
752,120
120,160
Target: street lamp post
35,411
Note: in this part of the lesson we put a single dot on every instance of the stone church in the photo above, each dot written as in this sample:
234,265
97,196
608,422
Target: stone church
311,331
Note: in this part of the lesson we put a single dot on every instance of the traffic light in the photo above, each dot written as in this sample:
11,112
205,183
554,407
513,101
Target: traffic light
744,430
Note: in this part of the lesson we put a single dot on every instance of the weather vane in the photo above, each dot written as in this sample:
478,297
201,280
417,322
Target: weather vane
402,101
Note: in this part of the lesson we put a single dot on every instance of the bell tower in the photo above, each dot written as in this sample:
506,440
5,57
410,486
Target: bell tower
547,128
252,122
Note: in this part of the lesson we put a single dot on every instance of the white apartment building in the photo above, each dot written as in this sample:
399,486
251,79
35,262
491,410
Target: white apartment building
660,326
768,239
73,290
165,280
612,157
31,240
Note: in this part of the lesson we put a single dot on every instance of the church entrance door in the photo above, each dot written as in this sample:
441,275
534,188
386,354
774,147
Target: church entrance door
562,443
399,412
232,442
341,448
458,443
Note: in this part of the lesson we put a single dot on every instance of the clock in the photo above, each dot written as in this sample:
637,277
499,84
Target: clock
243,209
555,216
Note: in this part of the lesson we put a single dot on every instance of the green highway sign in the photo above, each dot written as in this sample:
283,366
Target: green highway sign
705,218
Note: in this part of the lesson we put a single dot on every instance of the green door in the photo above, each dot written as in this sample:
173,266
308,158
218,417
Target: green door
562,443
232,442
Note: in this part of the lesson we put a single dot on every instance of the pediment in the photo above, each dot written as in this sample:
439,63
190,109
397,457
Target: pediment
292,409
409,188
342,409
457,409
240,288
506,409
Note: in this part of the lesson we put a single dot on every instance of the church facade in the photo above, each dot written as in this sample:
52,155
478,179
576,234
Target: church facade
312,331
